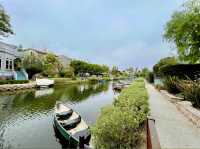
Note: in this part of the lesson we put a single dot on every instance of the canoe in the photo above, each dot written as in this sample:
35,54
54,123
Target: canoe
70,125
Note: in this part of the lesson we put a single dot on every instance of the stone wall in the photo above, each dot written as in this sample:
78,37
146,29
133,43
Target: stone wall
13,87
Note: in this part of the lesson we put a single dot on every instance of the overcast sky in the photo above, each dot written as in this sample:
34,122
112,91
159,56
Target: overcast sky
114,32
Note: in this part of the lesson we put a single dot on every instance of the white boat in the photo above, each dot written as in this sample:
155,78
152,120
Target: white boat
44,82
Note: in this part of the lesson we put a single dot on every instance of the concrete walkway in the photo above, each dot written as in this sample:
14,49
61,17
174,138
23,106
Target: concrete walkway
174,130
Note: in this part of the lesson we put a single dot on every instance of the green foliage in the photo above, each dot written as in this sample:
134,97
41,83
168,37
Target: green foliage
184,30
52,66
66,72
150,77
115,71
183,71
5,26
84,67
17,64
162,63
33,64
106,78
120,125
13,81
191,91
144,72
172,84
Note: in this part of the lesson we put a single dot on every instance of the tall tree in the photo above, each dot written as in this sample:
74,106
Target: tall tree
33,64
184,30
5,26
52,65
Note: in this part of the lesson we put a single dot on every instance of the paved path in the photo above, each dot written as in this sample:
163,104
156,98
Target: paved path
174,130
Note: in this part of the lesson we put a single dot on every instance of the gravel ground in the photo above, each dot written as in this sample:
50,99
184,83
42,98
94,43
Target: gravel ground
174,130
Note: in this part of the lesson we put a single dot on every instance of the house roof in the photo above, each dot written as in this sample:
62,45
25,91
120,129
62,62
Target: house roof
8,48
36,50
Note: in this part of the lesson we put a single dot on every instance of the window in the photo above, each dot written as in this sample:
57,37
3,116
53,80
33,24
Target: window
7,64
10,64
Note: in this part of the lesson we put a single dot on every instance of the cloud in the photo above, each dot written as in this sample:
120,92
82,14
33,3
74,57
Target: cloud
124,33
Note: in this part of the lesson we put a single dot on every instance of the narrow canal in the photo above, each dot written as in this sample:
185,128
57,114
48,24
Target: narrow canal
26,119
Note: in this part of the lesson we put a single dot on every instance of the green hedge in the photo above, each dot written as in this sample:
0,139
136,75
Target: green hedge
121,125
182,71
13,81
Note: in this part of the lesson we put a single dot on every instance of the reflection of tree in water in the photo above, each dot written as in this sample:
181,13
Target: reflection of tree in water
26,103
79,93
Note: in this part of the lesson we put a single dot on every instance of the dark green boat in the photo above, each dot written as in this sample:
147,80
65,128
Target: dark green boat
71,126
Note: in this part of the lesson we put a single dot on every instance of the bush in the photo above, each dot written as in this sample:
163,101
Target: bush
150,77
171,84
191,91
13,81
159,87
121,124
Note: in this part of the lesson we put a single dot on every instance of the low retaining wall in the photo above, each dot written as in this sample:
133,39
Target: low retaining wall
184,107
13,87
189,111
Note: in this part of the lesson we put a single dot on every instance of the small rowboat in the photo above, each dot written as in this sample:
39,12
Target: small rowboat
70,125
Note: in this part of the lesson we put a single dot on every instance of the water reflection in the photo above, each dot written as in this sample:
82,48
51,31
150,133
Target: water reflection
26,117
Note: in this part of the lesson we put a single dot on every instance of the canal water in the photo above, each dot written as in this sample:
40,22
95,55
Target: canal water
26,118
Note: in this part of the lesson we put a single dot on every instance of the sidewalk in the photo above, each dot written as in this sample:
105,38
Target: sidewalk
174,130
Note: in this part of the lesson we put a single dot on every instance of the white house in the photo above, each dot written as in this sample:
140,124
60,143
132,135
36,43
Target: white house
8,54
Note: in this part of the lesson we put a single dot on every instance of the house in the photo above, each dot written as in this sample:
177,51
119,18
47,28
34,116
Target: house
65,61
8,55
30,51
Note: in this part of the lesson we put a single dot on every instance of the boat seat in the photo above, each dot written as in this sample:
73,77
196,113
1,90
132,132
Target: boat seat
64,115
71,123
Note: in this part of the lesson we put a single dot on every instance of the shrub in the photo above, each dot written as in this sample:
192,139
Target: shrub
159,87
150,77
121,124
191,91
13,81
171,84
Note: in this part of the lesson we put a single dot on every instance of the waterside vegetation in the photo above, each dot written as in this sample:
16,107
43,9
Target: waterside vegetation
121,124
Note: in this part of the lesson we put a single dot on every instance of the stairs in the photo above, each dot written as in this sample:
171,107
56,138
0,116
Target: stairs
20,75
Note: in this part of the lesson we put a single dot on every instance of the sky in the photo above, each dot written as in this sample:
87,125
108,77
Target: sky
125,33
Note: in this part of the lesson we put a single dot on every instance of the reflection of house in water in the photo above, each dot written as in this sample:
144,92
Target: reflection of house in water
6,102
44,92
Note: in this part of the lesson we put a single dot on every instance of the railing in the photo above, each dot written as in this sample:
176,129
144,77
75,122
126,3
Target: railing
152,137
6,73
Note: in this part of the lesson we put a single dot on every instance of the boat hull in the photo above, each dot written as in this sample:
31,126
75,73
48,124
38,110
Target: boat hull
64,133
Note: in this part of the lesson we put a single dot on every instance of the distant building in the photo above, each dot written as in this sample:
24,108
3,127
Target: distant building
30,51
65,61
8,54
